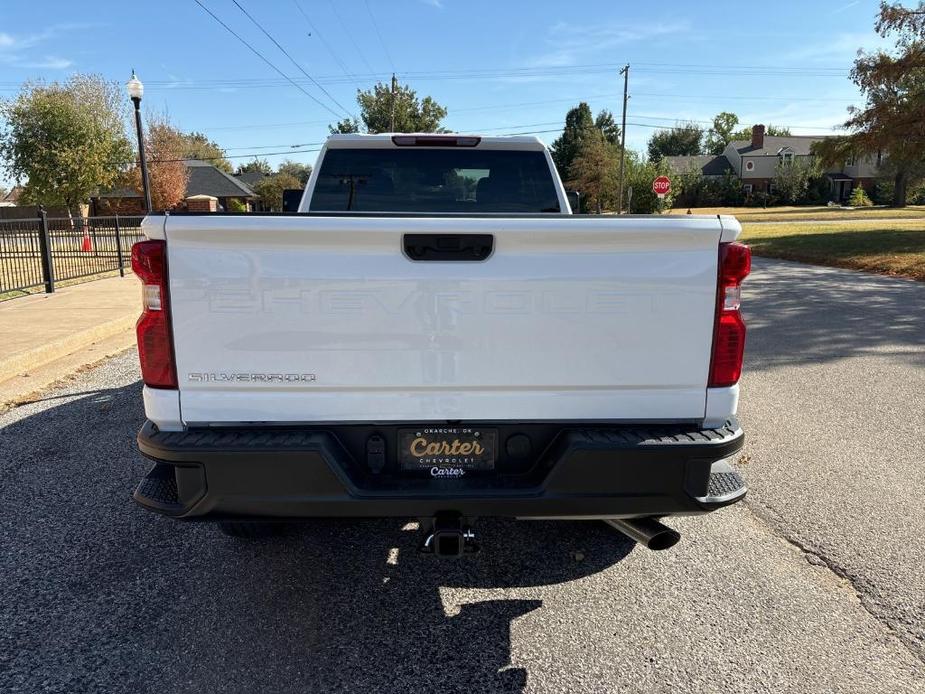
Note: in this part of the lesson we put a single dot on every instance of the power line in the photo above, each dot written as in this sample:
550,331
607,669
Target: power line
251,126
288,55
267,61
350,37
381,42
749,67
325,43
512,130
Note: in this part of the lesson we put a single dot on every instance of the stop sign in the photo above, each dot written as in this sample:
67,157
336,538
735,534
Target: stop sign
661,186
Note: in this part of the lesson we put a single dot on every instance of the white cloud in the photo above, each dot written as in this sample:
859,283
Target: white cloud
49,62
570,43
839,10
14,49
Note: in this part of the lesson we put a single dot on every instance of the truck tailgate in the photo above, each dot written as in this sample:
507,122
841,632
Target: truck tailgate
310,318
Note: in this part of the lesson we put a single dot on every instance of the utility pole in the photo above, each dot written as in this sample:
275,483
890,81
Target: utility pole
626,78
392,115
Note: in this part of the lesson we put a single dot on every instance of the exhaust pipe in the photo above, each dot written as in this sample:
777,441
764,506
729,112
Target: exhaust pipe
646,531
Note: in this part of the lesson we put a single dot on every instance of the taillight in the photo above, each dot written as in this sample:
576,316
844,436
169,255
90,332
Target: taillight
155,346
735,262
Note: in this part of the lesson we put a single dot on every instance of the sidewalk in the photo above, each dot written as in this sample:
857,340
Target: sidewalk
70,326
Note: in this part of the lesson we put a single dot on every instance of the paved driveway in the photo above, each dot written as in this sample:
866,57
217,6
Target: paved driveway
813,586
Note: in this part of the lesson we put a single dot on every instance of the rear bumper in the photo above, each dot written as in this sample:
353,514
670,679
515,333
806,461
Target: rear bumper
585,472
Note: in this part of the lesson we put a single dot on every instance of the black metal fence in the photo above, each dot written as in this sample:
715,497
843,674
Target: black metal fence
41,252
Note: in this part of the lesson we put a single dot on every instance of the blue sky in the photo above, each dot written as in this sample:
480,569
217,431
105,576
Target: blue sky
497,66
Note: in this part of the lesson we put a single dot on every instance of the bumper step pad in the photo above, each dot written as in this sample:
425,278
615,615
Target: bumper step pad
159,489
725,486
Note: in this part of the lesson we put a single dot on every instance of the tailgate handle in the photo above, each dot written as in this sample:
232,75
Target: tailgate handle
448,246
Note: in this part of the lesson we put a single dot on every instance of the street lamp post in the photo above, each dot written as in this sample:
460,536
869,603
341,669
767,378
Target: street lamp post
135,91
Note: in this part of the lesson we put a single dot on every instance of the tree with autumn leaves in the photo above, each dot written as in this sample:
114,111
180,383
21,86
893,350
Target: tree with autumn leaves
165,149
893,120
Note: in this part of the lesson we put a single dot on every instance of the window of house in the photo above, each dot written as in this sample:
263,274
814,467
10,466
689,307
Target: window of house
747,188
879,157
786,157
749,165
850,160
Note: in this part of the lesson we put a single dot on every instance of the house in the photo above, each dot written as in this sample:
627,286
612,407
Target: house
208,189
709,165
207,180
11,197
755,163
251,178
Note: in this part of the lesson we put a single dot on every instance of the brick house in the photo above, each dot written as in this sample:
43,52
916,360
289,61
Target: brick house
755,163
205,181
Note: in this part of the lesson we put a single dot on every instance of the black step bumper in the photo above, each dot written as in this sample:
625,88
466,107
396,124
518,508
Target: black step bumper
583,472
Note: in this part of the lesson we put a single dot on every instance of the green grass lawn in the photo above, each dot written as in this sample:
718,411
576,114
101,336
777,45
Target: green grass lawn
893,248
783,214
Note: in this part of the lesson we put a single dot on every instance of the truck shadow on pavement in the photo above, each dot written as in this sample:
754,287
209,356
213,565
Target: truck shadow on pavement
98,594
804,314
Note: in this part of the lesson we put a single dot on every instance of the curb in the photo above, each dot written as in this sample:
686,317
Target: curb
16,364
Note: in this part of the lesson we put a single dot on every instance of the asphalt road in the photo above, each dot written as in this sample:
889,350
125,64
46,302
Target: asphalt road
813,585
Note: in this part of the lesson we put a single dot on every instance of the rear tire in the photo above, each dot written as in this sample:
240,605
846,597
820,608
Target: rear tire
248,530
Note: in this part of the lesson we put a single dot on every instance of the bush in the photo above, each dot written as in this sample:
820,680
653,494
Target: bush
916,194
639,177
235,205
818,191
859,198
883,191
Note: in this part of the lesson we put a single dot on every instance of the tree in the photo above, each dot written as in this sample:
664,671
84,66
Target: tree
167,174
198,146
258,165
579,123
297,170
682,139
859,198
770,130
608,127
396,108
269,190
67,140
639,176
792,178
720,134
346,126
593,171
893,119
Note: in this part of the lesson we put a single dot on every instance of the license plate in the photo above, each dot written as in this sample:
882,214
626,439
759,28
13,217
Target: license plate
447,451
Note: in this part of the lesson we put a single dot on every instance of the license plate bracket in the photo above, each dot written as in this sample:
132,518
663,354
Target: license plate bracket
447,451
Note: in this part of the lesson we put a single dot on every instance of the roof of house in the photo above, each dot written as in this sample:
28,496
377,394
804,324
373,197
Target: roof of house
205,179
709,164
800,145
119,193
11,197
251,177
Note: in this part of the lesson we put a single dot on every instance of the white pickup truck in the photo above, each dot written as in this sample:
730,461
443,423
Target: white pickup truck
435,335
